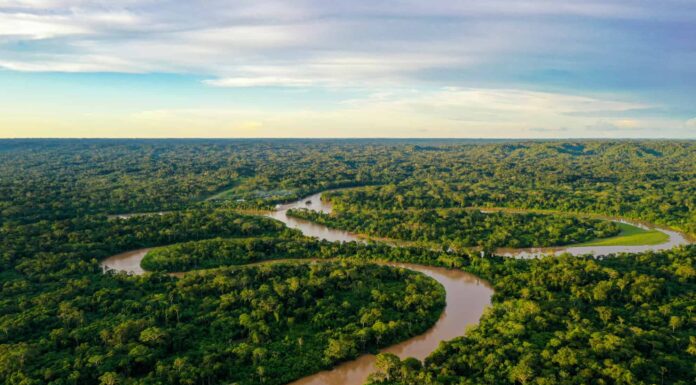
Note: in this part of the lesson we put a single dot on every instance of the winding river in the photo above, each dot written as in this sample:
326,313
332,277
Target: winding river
675,239
466,295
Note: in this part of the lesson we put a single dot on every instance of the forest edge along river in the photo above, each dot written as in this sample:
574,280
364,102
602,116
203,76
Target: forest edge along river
466,298
466,295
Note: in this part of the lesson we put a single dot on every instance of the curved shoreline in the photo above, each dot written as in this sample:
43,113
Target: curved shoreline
675,238
466,298
466,295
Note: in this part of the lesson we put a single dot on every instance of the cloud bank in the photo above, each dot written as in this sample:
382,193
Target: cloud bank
468,61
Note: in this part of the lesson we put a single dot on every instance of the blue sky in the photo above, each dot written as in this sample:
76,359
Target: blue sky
534,68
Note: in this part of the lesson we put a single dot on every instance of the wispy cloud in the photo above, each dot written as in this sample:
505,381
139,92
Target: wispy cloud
332,42
20,26
460,67
447,112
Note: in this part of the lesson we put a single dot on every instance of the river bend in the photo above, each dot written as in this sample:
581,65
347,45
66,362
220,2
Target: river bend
466,295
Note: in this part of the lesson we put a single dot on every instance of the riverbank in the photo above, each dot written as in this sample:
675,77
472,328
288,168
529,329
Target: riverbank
466,295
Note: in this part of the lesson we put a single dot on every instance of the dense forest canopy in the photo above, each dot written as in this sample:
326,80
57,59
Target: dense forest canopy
64,321
267,324
217,252
570,320
650,180
458,228
626,319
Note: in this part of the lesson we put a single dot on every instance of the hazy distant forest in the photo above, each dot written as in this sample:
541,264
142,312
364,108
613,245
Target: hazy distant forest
618,319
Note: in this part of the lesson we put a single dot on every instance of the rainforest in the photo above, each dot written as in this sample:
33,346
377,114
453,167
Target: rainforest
355,261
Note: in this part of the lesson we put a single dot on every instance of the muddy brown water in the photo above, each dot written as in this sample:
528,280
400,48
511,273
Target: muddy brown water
311,229
467,296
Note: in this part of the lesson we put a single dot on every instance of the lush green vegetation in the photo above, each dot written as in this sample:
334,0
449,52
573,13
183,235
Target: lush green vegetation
459,228
225,252
266,324
46,251
219,252
568,320
57,179
650,180
631,236
625,319
64,321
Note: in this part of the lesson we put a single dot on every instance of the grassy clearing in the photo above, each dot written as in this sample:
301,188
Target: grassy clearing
223,195
630,236
244,189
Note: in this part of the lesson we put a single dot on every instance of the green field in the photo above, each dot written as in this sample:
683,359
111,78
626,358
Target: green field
242,190
630,236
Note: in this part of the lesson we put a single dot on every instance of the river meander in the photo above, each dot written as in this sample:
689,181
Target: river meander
466,295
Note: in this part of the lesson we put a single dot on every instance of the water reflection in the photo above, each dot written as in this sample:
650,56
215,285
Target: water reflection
466,298
467,295
308,228
675,239
128,262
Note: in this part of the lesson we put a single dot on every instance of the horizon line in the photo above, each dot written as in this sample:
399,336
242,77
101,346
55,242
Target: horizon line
343,138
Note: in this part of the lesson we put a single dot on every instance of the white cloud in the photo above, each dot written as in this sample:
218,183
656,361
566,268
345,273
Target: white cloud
446,113
74,63
261,81
523,107
28,26
355,70
691,123
400,52
301,43
450,112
